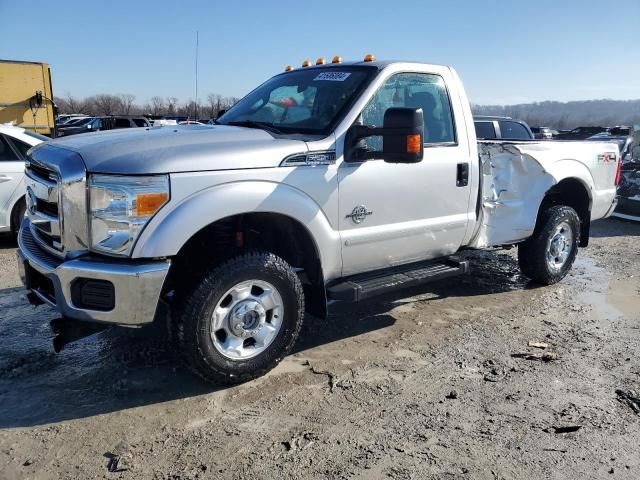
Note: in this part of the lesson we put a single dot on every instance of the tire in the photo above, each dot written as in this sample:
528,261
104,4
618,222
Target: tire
264,304
19,211
548,255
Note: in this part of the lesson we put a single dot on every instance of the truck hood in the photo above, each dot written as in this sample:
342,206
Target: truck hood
171,149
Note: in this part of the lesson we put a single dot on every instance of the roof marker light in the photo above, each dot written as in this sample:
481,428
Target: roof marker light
369,57
337,59
288,68
306,64
320,61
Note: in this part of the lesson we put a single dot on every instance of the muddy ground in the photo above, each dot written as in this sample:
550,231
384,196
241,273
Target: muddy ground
424,385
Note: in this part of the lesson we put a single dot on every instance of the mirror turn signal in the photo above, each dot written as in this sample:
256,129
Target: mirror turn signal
414,143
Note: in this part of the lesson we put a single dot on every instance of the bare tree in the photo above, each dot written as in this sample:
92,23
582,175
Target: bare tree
172,105
106,104
126,102
157,105
215,101
189,109
71,104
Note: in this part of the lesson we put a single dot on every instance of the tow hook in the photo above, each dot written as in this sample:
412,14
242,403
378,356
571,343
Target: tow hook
34,299
67,331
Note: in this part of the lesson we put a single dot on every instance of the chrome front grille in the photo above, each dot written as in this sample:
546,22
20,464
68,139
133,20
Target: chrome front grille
56,181
29,244
41,172
43,198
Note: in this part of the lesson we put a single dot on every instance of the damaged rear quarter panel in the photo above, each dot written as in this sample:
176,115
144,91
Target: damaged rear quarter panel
517,176
513,185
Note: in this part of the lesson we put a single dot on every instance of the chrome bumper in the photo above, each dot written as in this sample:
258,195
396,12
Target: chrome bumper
136,286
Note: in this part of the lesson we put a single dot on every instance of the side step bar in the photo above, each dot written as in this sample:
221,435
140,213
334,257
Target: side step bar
367,285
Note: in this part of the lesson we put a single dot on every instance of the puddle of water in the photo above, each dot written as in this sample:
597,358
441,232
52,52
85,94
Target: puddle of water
624,296
615,297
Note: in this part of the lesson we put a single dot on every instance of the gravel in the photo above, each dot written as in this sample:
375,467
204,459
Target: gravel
423,386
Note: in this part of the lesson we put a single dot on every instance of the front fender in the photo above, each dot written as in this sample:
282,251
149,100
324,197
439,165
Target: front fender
177,223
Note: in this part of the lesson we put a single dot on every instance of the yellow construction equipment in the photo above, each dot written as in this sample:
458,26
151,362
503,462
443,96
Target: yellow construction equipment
26,97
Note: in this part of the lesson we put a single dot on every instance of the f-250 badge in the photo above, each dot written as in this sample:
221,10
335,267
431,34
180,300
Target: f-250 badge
359,213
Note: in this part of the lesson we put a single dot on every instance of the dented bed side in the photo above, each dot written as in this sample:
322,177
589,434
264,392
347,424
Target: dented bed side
516,177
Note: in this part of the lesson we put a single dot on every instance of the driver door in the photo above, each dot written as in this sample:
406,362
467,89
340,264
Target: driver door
392,214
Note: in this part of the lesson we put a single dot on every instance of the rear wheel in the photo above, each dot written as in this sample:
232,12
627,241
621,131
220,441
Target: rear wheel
242,319
548,255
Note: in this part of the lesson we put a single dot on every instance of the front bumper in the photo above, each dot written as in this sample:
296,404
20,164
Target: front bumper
136,285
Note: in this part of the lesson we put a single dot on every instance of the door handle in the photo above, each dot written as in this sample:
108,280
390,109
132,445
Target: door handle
462,178
5,178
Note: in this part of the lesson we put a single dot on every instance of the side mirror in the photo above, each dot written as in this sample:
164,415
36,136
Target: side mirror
402,137
403,141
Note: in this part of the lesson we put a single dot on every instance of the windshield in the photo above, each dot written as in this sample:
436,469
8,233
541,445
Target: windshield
304,101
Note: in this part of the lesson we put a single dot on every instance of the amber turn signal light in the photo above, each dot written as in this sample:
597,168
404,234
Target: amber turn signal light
149,203
413,144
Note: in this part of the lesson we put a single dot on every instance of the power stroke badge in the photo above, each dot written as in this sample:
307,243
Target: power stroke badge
359,213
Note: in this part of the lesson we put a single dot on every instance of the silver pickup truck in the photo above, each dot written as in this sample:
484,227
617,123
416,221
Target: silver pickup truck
333,182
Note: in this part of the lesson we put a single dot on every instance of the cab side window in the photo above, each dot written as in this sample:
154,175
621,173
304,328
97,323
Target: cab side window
22,147
414,90
6,152
485,130
513,131
122,123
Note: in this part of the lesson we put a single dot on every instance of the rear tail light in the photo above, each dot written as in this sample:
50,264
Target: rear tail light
619,171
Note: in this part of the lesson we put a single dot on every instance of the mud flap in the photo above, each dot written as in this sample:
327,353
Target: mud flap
67,331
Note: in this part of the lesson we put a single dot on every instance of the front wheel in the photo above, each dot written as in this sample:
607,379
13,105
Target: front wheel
548,255
242,319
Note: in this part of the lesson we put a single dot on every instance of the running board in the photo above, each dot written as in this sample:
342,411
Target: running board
367,285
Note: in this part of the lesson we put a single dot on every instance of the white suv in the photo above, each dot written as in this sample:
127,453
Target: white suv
14,143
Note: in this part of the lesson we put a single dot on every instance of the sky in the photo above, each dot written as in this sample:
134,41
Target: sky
506,52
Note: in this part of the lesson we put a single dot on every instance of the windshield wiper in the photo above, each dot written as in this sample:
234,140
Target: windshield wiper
253,124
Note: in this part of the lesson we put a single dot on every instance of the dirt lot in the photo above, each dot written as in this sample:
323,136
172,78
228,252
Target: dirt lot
420,387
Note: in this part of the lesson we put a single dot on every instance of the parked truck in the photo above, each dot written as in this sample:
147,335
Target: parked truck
26,97
334,182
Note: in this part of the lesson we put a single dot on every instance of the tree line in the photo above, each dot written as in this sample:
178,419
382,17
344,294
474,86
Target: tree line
560,115
124,104
567,115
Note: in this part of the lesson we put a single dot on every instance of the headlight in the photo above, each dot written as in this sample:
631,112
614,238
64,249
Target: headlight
120,207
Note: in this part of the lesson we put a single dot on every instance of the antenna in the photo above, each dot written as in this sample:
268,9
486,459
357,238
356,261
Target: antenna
196,99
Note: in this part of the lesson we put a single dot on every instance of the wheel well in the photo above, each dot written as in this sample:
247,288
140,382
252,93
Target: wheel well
275,233
571,192
14,211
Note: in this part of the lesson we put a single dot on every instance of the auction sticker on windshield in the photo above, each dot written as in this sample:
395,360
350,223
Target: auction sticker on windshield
333,76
